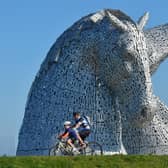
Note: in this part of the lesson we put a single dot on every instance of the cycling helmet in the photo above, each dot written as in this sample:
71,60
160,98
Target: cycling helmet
67,123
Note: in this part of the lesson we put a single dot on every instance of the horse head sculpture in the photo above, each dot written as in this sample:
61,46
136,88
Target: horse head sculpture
125,68
102,67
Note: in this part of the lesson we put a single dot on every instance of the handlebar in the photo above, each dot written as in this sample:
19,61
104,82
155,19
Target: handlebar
61,139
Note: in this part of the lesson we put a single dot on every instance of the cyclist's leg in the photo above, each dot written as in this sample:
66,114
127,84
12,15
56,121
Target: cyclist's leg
78,137
70,142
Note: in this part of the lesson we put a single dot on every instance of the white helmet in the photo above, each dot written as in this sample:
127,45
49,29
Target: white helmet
67,123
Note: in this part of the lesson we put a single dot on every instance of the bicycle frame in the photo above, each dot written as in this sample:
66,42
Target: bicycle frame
65,148
62,148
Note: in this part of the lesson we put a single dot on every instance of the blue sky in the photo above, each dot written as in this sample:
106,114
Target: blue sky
27,31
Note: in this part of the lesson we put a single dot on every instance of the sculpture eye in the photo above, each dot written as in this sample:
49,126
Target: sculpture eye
128,56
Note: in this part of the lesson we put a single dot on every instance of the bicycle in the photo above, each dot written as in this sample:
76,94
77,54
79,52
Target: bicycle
63,149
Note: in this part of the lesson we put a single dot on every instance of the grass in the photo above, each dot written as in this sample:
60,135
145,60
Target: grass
116,161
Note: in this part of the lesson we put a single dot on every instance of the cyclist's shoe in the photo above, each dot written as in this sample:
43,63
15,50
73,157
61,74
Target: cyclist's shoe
75,151
83,145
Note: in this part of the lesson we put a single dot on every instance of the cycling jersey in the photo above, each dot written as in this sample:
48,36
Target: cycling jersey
84,123
70,133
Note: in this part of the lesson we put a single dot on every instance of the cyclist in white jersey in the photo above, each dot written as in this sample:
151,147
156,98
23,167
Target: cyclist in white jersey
81,125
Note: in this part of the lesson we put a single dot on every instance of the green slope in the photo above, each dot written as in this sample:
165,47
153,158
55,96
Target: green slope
117,161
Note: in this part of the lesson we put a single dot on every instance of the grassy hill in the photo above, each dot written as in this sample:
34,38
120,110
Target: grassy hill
117,161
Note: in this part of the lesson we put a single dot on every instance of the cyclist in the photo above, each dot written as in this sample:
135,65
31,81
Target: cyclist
81,125
70,135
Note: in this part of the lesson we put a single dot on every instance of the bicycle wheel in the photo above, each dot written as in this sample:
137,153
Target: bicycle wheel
93,148
55,151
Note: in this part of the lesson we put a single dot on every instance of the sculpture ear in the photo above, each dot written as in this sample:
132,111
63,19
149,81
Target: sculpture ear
116,22
143,20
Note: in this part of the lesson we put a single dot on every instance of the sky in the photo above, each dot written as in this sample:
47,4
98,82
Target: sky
27,31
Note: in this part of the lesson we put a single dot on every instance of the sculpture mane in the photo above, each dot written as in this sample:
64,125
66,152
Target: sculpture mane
102,67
